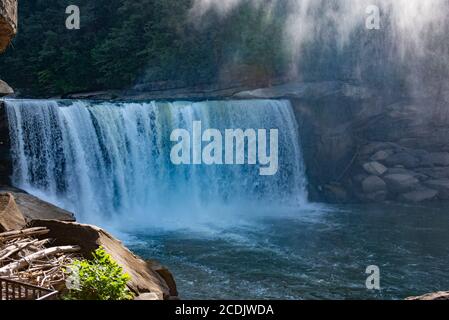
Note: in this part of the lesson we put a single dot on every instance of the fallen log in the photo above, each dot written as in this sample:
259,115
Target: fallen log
7,236
12,245
15,249
24,262
36,246
9,247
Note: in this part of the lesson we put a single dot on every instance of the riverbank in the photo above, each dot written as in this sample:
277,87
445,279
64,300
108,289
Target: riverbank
149,280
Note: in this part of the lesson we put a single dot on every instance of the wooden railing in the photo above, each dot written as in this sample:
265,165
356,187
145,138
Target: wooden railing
14,290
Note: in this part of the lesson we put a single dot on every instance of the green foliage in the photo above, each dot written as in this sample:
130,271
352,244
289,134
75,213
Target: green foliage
124,43
98,279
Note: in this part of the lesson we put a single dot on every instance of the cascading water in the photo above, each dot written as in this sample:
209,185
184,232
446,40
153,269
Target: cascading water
107,161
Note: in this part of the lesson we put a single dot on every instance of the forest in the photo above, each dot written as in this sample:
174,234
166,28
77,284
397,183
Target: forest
121,44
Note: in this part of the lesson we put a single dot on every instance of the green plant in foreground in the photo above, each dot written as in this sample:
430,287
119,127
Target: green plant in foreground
98,279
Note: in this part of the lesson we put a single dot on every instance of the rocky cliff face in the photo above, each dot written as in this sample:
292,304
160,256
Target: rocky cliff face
8,22
372,150
8,28
362,145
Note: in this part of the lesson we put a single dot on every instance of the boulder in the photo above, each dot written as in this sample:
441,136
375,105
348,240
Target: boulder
8,22
358,179
5,89
378,196
441,185
418,175
166,275
373,184
147,297
418,153
144,279
420,195
382,155
404,159
34,208
335,193
10,216
375,147
439,159
401,183
400,171
435,173
375,168
426,162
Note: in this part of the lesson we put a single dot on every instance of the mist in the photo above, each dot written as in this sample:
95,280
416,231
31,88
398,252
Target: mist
412,35
411,21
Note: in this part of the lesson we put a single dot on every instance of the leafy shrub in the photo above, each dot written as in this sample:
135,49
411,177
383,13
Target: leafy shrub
98,279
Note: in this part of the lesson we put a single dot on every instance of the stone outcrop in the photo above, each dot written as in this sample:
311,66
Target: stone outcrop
437,296
10,216
413,176
175,90
375,168
308,91
146,277
420,195
8,29
351,135
34,208
373,184
442,186
374,188
401,183
8,22
5,89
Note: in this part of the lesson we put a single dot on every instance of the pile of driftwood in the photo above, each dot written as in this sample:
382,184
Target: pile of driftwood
26,259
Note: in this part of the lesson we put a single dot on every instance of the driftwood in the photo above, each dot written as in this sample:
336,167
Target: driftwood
26,259
35,246
22,263
6,236
15,249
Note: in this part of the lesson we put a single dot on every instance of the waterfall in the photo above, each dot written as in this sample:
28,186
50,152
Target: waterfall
107,161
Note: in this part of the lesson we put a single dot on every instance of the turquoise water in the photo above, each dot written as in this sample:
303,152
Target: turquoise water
318,254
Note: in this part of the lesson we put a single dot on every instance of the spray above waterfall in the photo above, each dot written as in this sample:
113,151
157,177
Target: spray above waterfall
328,39
107,161
411,21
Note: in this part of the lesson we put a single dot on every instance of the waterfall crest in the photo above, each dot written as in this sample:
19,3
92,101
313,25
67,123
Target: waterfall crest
108,160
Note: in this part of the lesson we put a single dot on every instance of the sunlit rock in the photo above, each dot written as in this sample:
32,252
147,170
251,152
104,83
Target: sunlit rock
8,22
